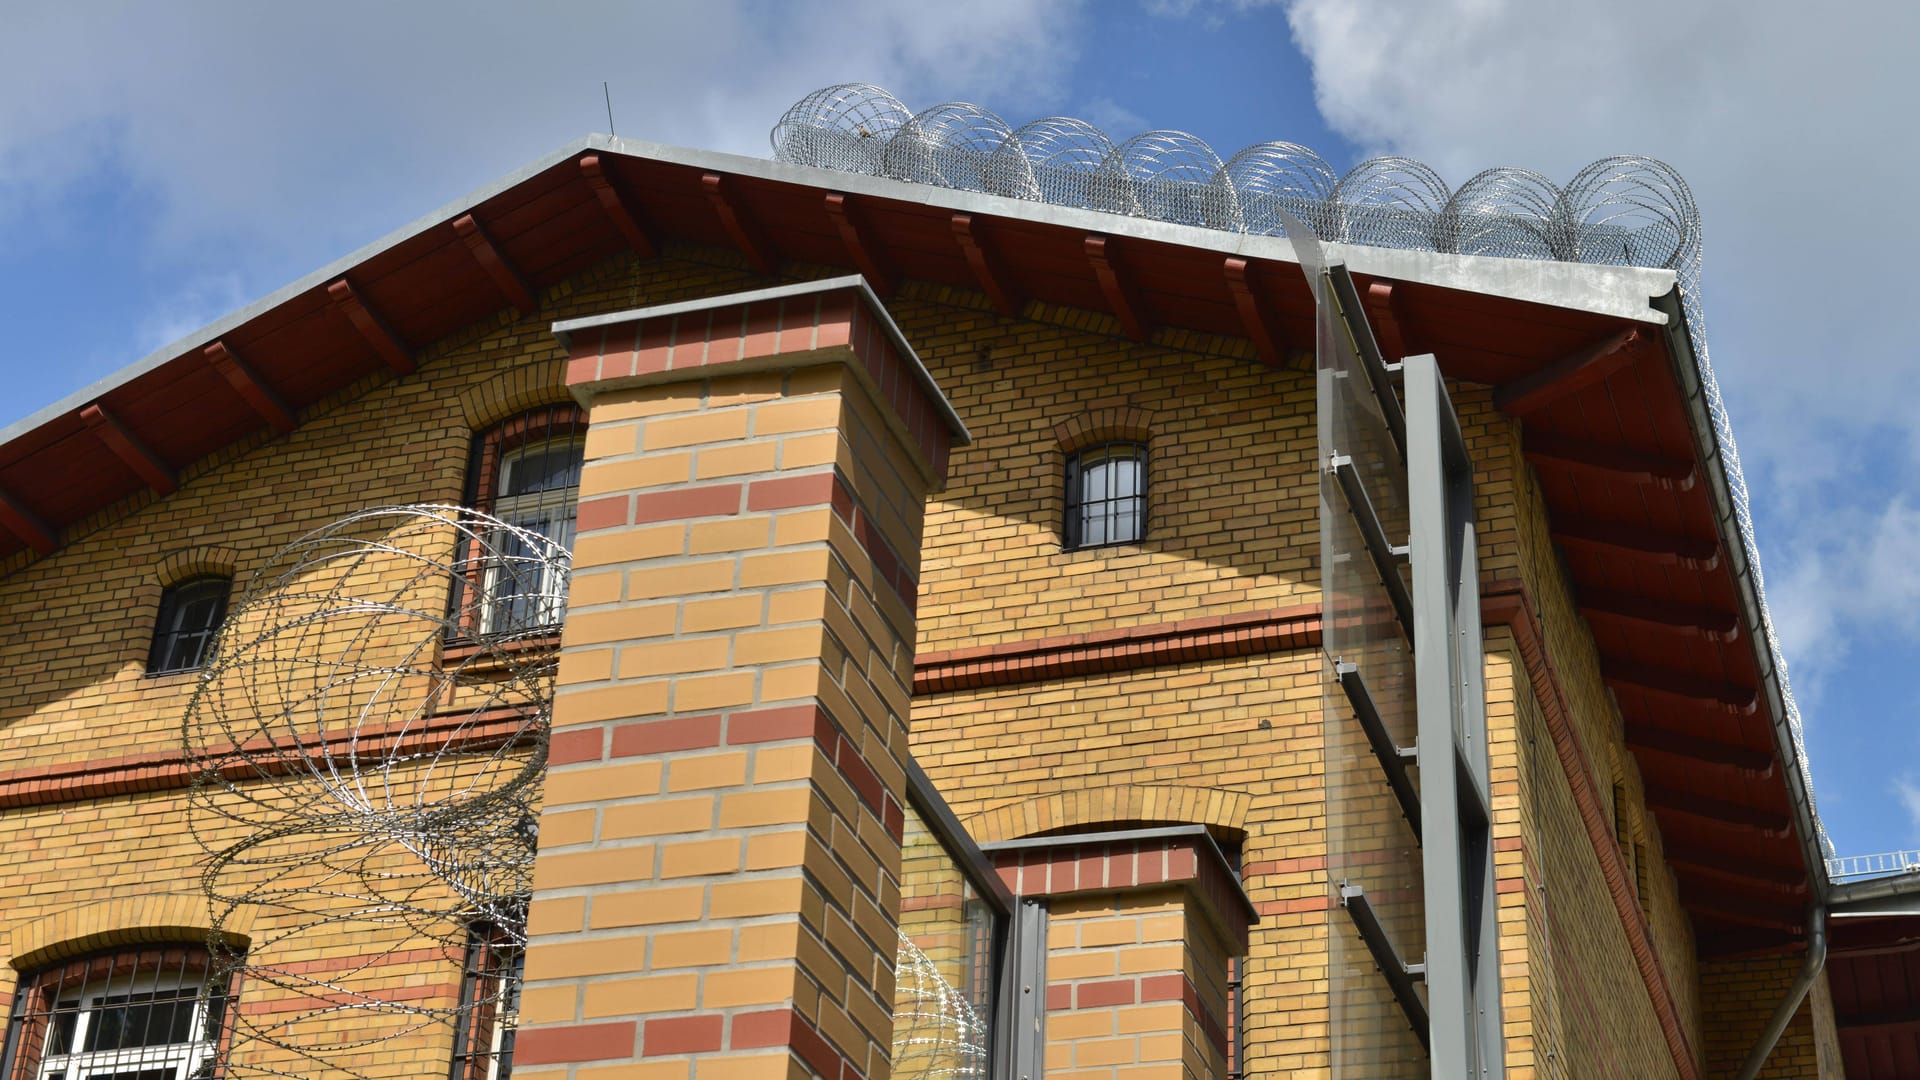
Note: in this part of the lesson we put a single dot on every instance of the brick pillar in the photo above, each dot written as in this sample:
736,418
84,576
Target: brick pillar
718,872
1140,928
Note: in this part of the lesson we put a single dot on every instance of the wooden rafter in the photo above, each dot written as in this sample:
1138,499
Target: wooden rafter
622,211
1639,544
987,272
371,327
1254,316
850,223
739,223
27,525
1757,764
1383,310
1611,462
1114,286
254,390
130,449
1740,907
1576,371
1720,812
495,264
1647,679
1716,862
1642,613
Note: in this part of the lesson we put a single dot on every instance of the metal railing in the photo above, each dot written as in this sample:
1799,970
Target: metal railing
1855,867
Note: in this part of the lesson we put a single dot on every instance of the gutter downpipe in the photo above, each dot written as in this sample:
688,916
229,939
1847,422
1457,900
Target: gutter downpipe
1789,1005
1686,369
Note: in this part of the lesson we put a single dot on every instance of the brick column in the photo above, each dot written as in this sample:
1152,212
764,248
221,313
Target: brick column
718,873
1140,927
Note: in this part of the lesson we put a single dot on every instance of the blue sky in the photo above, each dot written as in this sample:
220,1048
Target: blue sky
161,165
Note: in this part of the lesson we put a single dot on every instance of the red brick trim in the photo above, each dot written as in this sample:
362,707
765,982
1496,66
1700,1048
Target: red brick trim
1508,603
574,1042
1055,866
48,785
1218,637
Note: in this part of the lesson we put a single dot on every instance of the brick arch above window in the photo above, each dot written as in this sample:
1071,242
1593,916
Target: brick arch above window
520,389
187,563
1119,804
1118,423
123,922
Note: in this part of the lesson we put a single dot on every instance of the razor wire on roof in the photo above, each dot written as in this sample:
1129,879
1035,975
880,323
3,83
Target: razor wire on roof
1618,211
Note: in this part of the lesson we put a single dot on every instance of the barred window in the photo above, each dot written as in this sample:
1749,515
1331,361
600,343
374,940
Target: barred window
137,1014
489,1005
527,473
190,615
1106,495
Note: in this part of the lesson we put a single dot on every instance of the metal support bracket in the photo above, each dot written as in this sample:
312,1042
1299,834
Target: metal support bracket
1386,555
1400,976
1353,316
1393,759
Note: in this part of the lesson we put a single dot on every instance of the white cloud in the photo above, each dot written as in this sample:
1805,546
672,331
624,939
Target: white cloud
1794,133
1907,790
276,126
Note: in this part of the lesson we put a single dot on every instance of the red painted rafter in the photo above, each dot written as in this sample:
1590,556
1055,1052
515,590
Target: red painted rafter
1611,462
624,214
1574,372
27,526
1647,679
1641,613
252,389
1640,544
867,256
488,255
132,452
1253,313
985,265
740,225
1114,287
1768,879
1741,908
371,327
1709,753
1389,325
1720,812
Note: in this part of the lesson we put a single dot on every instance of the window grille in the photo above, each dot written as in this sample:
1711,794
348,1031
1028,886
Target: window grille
147,1014
527,473
190,615
489,1005
1106,495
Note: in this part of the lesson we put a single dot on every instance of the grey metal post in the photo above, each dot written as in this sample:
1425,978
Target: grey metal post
1463,972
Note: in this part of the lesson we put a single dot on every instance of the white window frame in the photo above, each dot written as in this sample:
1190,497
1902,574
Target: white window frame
555,508
185,1059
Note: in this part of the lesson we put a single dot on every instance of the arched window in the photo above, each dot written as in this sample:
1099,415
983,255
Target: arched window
190,614
150,1013
526,472
1106,495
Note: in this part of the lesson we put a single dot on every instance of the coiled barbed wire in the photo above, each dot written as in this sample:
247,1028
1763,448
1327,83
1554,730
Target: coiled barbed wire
1620,211
368,744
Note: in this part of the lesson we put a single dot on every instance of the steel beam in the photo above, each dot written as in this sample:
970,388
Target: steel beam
1385,554
1399,974
1393,759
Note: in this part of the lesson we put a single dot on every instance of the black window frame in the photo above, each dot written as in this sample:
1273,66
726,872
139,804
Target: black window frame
492,975
1074,524
168,634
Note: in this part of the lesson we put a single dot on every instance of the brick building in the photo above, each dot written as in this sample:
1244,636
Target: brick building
976,599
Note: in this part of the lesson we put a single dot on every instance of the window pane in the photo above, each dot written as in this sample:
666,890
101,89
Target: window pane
189,615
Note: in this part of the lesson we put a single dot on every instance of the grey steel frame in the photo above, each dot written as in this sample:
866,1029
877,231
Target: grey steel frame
1463,972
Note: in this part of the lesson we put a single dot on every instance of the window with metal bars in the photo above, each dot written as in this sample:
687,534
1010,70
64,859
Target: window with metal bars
525,472
190,615
1106,495
152,1013
489,1005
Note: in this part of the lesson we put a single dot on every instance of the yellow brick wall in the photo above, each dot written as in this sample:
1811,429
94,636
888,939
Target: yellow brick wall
1232,529
1742,994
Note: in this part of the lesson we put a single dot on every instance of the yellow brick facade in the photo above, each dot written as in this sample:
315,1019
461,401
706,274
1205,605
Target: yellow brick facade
1232,743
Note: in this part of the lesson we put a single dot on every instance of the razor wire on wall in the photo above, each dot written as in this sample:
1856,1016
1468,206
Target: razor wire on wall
366,792
1618,211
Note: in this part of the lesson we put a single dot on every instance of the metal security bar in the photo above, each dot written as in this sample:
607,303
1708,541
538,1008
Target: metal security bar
151,1013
